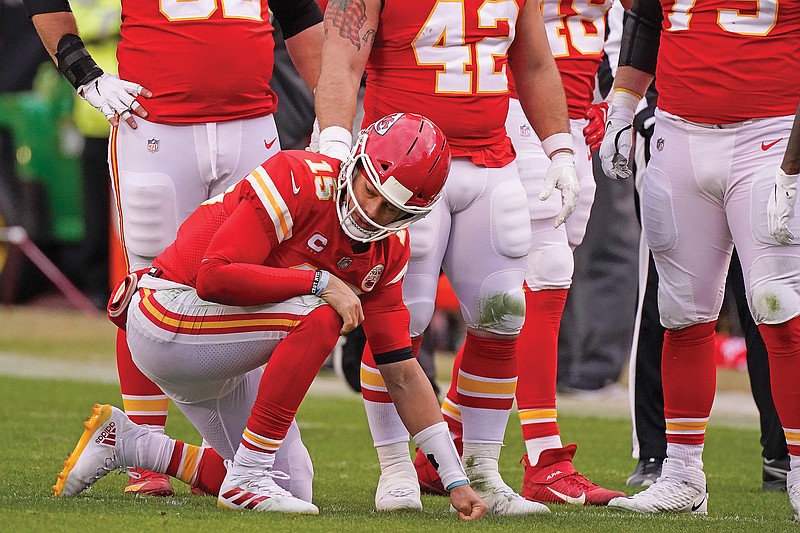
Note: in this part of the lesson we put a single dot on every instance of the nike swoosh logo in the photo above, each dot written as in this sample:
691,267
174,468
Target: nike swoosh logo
269,144
295,188
700,504
767,146
580,500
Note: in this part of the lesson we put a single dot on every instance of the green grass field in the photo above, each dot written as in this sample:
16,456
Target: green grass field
40,421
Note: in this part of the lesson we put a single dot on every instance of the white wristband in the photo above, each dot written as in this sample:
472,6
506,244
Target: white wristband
335,141
623,105
556,143
438,447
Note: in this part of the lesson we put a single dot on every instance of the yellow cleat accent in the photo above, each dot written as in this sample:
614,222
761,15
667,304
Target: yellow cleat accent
100,414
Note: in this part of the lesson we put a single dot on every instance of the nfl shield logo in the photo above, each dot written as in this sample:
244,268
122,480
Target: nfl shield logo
343,263
660,144
152,145
524,130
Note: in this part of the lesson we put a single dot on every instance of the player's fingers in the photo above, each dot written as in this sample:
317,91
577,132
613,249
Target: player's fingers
143,91
137,108
127,117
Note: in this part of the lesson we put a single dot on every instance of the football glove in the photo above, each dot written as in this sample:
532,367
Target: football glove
595,130
114,97
780,207
561,175
615,149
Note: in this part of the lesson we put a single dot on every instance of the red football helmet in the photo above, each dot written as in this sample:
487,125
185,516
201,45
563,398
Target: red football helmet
407,159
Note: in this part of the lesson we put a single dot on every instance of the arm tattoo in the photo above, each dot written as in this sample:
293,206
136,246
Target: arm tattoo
349,16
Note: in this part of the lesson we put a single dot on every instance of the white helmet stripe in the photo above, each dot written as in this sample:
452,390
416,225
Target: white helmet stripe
396,191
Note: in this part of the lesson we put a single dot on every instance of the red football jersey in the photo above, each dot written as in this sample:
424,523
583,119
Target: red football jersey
204,60
295,226
725,61
447,61
576,30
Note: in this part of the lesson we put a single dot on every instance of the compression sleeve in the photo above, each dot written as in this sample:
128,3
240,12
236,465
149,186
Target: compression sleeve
641,36
295,16
37,7
233,272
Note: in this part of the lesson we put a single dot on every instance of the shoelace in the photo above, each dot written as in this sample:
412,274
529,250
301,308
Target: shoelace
107,468
579,482
265,480
663,487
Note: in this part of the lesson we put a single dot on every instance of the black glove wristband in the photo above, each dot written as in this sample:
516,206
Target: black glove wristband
74,61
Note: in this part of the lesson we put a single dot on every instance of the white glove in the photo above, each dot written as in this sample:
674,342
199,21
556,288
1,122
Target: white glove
113,96
615,151
780,207
561,175
335,141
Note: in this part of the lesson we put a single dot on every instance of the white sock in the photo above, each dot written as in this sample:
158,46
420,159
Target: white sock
247,458
536,446
145,449
394,458
690,454
385,424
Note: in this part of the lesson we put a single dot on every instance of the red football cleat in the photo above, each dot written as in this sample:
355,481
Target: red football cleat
554,480
429,480
148,483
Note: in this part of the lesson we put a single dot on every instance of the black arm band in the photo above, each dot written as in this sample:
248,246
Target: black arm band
295,16
37,7
395,356
641,36
74,61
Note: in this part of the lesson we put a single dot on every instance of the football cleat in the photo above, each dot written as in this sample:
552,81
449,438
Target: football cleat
429,480
480,463
773,474
148,483
255,489
680,489
554,480
646,472
98,451
398,490
793,487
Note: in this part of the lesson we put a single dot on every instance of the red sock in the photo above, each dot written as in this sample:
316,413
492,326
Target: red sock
144,402
450,409
287,377
689,375
783,346
200,467
537,362
487,380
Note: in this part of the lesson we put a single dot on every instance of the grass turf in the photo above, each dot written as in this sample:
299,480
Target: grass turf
41,421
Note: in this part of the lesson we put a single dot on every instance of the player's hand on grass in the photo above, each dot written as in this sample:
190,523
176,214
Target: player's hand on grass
345,302
468,504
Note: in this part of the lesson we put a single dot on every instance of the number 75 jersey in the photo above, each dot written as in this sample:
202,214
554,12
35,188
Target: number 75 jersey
447,60
724,61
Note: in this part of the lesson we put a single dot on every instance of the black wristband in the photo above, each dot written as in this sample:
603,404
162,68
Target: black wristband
74,61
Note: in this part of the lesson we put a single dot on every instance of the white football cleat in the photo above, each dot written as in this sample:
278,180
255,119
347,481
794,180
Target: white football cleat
398,489
680,489
98,451
793,487
480,463
251,488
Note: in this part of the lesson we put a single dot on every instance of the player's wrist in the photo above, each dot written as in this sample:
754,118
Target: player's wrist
785,179
75,62
623,105
558,144
335,141
435,442
320,282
